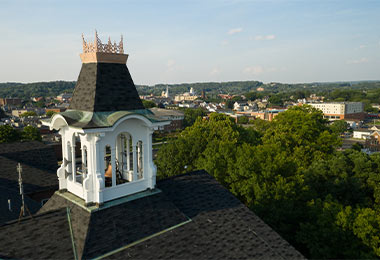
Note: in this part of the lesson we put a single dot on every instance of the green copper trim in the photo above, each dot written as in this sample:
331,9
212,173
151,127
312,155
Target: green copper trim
88,120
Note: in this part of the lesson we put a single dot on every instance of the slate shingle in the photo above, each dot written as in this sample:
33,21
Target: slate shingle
105,87
220,227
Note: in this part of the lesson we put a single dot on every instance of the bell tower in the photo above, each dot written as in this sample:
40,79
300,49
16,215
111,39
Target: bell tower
106,132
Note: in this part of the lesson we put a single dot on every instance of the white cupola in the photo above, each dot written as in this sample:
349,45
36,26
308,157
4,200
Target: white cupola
106,132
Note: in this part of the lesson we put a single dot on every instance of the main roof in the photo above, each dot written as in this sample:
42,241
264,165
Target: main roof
193,217
105,87
39,166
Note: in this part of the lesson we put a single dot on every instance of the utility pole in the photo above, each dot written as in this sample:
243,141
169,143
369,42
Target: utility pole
23,206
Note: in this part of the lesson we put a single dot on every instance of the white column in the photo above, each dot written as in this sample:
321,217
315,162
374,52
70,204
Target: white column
98,158
83,166
113,164
134,177
61,172
128,154
73,163
150,172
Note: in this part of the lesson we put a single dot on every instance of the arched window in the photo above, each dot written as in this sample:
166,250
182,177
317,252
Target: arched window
124,160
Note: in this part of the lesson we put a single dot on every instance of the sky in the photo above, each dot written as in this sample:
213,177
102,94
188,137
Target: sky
288,41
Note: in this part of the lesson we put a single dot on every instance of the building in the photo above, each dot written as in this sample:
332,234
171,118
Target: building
341,110
64,97
268,115
111,206
174,116
55,109
187,96
19,112
165,94
362,133
10,101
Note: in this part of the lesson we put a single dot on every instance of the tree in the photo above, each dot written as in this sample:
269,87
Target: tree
30,113
148,104
8,134
230,104
303,134
276,100
243,120
207,144
339,126
30,133
191,115
50,113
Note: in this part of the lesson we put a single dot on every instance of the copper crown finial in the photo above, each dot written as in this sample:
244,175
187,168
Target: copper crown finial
98,46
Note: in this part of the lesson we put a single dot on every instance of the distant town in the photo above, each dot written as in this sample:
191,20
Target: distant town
361,117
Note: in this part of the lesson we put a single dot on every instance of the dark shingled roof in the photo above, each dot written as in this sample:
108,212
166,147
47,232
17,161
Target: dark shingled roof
221,228
46,236
15,199
153,227
39,174
39,166
107,229
105,87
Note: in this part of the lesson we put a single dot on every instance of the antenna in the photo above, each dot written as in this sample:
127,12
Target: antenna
23,206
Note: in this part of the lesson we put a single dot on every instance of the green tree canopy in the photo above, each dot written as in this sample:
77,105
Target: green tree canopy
191,116
30,133
8,134
148,103
50,113
339,126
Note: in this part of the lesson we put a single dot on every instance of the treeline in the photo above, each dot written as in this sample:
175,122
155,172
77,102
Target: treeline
8,134
37,89
212,89
324,202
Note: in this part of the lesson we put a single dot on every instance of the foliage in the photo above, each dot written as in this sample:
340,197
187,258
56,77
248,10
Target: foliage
8,134
38,89
50,113
148,103
339,126
324,202
191,115
242,120
276,100
30,133
208,144
30,113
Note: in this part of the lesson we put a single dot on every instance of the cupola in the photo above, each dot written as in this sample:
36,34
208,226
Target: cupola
106,132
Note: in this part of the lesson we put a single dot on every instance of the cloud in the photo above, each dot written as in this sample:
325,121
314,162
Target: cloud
362,46
359,61
254,70
215,71
265,37
235,30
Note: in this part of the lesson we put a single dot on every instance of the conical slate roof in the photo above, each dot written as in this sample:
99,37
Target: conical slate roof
103,87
